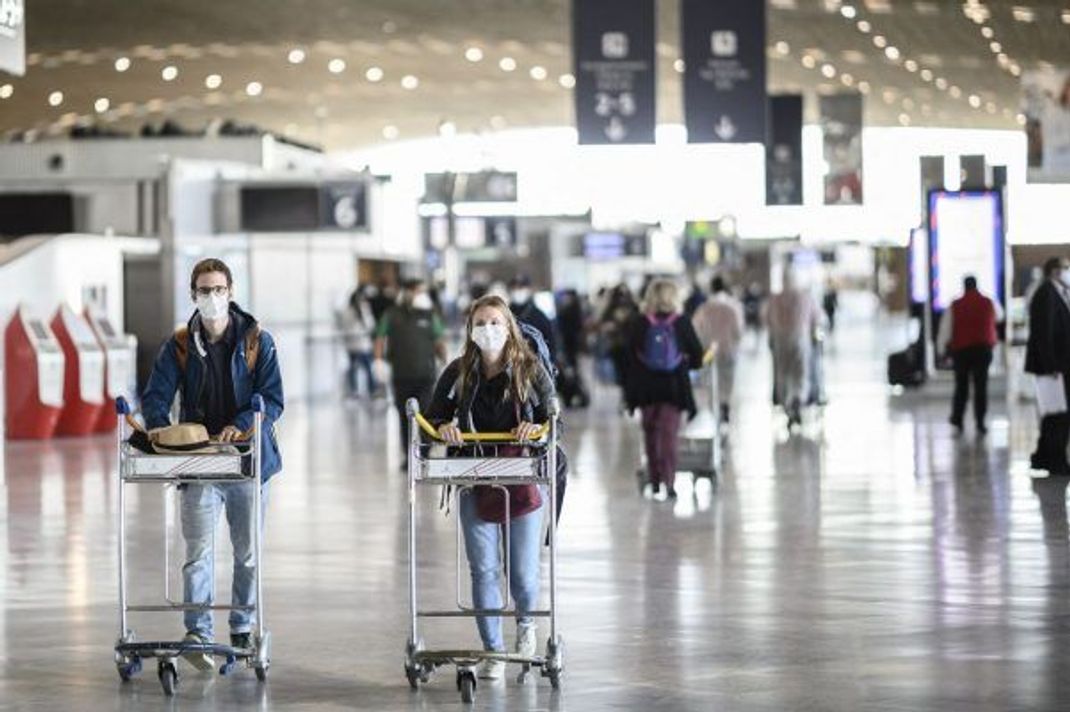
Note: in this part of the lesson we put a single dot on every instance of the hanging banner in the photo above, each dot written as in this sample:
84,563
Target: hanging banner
724,75
615,69
1046,105
841,125
783,153
972,172
13,36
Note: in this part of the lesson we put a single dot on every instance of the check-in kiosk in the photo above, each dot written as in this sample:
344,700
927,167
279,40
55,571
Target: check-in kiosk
83,379
119,357
33,378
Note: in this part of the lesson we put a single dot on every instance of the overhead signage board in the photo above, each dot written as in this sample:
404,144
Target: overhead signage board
783,154
841,127
615,70
482,187
13,36
724,71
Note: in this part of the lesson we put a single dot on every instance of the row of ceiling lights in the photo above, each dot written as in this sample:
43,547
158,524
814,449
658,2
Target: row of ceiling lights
977,12
297,55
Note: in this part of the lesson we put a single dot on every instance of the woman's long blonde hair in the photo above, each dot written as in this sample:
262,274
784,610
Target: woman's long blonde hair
517,354
662,296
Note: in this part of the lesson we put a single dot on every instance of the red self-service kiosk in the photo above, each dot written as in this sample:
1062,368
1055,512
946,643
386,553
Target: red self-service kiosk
33,378
83,389
119,356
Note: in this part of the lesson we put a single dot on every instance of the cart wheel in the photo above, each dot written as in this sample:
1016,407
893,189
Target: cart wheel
413,676
261,672
229,666
555,662
128,668
168,678
466,682
522,677
555,679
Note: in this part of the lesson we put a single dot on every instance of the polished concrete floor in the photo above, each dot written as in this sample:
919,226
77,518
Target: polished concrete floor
871,562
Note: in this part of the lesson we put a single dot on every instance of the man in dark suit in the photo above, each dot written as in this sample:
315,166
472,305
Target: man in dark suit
1048,354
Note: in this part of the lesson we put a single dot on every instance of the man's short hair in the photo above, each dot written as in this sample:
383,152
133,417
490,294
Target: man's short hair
970,282
718,285
207,266
1052,265
411,285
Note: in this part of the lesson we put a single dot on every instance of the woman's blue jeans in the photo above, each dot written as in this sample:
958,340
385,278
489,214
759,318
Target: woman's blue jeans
482,543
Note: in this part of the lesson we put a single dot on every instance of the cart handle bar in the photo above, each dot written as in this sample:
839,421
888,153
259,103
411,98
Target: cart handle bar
480,437
122,407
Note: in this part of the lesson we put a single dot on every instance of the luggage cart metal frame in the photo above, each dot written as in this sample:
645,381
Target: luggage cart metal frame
170,471
462,474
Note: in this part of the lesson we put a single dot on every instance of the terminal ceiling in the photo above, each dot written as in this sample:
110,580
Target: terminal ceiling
942,69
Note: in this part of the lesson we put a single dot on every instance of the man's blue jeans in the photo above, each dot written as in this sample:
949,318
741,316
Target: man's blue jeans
482,543
200,512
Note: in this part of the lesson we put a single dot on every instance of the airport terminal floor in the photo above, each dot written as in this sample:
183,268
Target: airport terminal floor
871,562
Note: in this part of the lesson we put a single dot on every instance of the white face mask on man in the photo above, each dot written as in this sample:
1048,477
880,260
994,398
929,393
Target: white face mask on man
490,338
1064,277
423,302
213,306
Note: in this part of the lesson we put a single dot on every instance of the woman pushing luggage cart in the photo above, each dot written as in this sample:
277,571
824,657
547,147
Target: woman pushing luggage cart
187,463
495,410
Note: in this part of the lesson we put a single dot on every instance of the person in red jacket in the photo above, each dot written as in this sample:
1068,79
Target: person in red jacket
968,335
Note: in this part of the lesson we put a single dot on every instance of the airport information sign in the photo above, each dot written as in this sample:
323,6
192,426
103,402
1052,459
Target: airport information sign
13,36
783,153
724,71
615,69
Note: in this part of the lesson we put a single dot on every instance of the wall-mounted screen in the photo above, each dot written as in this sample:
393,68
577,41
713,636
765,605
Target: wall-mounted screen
603,245
35,214
965,238
280,208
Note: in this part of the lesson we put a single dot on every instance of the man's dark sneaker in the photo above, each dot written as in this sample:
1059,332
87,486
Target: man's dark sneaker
241,641
671,494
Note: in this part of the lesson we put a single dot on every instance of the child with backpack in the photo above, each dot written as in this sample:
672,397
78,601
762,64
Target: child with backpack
662,349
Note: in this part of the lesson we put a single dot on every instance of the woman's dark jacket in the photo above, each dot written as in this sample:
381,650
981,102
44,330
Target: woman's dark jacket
643,386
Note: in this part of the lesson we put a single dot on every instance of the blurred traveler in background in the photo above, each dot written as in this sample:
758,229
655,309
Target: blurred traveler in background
571,323
694,300
794,319
411,336
830,302
621,308
1048,357
719,325
968,334
662,348
380,299
522,304
357,325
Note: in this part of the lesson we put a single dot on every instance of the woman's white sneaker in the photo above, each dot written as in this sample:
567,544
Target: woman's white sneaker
490,670
526,640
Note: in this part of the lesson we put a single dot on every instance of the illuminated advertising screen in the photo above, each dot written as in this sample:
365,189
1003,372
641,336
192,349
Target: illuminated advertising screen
965,238
919,266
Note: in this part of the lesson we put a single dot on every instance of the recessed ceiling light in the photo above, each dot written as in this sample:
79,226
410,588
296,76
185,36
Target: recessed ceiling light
254,88
6,91
987,32
927,75
863,86
911,65
1023,14
336,65
213,81
538,73
567,81
447,128
955,91
892,53
374,74
904,119
828,71
1015,70
848,11
169,73
782,47
498,123
122,64
808,61
1065,16
390,132
507,64
996,47
975,101
409,82
55,98
1021,119
296,56
101,105
847,79
941,83
864,26
880,41
473,54
679,65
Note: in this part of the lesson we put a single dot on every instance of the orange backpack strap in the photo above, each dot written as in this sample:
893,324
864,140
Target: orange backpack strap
182,347
252,348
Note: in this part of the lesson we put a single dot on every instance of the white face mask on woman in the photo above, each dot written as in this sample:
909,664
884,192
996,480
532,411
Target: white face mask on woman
213,306
490,338
1064,277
